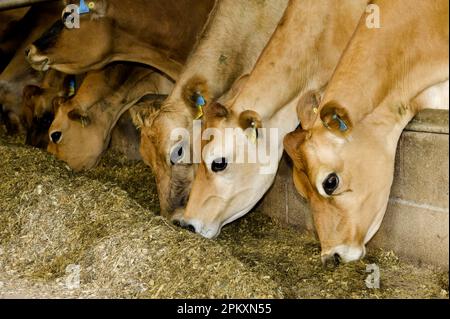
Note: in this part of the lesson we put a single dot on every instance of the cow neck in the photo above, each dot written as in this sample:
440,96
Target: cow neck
394,65
133,90
298,58
171,35
130,51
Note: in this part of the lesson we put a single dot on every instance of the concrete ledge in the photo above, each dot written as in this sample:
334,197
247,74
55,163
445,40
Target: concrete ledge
416,224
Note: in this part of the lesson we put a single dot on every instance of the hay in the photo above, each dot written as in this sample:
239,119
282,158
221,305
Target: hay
102,221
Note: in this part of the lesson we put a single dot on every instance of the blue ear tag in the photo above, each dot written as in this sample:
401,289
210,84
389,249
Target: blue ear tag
72,86
199,103
342,126
83,8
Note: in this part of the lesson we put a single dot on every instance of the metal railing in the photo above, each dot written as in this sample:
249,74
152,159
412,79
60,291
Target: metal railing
13,4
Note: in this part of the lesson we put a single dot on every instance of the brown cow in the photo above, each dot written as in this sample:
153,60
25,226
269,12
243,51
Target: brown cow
81,130
159,33
301,55
38,108
228,49
18,73
344,157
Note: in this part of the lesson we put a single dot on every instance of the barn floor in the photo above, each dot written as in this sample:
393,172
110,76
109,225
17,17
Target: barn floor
102,221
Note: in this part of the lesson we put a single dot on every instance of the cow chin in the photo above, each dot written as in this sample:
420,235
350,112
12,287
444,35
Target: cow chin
212,227
39,63
76,163
212,230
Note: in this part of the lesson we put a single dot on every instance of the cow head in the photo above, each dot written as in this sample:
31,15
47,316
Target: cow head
76,137
345,170
74,50
80,137
169,155
239,161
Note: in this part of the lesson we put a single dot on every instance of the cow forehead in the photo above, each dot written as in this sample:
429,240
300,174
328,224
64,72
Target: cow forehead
317,152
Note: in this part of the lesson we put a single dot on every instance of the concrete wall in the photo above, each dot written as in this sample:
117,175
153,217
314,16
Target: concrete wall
416,224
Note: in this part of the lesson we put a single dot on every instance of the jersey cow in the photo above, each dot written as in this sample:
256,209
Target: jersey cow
344,156
18,73
159,33
301,55
81,130
233,39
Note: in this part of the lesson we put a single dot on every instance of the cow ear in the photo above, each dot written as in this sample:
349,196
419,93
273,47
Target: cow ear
250,122
195,93
292,143
76,116
138,114
302,183
216,110
308,108
336,118
57,102
145,110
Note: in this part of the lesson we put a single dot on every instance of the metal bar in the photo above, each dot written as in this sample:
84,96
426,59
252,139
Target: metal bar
13,4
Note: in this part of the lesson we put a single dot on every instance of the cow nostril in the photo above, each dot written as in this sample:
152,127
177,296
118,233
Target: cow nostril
337,259
331,261
184,225
189,227
176,222
56,137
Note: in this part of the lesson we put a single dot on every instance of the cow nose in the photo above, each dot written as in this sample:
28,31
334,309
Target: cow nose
176,222
31,49
56,137
331,261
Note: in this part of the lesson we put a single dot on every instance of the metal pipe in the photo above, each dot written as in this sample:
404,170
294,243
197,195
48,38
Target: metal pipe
13,4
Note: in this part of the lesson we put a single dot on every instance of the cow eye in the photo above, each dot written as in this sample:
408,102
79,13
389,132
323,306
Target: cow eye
219,165
177,154
47,119
330,184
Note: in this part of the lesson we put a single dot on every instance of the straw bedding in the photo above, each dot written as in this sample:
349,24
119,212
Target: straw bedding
105,221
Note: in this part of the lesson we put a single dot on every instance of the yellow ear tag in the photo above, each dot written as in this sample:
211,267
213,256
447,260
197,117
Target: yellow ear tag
91,5
315,110
199,103
199,112
253,134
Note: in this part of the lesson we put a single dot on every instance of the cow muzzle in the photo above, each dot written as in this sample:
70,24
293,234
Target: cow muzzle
196,226
37,61
343,253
